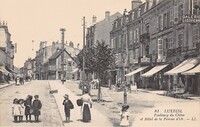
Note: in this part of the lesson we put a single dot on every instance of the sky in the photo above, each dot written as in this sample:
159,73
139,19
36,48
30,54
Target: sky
41,20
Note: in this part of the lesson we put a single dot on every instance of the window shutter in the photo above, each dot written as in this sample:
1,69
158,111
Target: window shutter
176,14
161,22
160,49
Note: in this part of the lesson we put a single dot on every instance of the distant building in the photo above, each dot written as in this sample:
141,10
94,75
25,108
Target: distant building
44,56
100,31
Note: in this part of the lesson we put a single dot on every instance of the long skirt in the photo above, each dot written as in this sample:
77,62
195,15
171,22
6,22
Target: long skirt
86,113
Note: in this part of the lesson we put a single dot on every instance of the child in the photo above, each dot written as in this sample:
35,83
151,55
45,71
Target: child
15,110
37,105
67,106
124,114
28,107
21,109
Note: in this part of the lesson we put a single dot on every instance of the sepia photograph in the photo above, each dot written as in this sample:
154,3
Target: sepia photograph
99,63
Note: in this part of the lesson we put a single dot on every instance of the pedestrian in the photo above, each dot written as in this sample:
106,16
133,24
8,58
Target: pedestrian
28,107
15,110
87,104
21,109
135,86
37,105
68,105
124,116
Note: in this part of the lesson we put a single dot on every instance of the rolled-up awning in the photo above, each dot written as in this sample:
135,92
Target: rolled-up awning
184,66
154,70
4,71
192,71
136,71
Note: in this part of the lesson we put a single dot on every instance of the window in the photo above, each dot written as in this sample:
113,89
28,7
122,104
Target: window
160,48
130,37
112,43
171,17
176,14
165,20
180,12
170,43
136,53
195,36
133,15
139,12
180,40
137,35
120,41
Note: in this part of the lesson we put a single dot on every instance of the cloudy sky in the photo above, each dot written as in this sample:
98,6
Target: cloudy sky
41,20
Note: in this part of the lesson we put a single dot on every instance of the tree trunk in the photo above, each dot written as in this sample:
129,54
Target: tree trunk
99,97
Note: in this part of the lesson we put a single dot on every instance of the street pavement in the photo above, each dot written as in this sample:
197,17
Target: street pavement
98,119
143,107
49,113
144,104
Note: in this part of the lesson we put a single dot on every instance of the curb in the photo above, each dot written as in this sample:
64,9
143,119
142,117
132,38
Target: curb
4,86
56,105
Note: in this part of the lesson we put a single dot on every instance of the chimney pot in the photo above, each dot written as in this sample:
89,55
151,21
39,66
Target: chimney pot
107,15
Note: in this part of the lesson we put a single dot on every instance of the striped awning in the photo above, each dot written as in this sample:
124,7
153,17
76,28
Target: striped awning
136,71
192,71
4,71
154,70
184,66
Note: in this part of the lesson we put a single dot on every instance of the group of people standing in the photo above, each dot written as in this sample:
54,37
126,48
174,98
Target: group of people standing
86,104
26,107
19,80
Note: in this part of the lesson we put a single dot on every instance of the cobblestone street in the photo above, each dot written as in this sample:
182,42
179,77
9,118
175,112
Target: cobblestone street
49,112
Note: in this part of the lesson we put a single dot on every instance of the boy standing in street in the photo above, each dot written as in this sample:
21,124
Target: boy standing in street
67,106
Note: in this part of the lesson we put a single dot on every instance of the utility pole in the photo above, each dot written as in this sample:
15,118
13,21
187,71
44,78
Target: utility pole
83,74
62,55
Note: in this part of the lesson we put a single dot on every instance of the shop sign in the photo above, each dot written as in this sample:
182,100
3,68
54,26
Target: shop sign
145,59
191,18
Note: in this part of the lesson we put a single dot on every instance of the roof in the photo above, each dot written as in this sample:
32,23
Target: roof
57,54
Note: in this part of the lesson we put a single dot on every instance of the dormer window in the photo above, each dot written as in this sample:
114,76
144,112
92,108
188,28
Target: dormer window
121,21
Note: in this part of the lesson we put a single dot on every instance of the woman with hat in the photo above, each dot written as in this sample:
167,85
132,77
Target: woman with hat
124,114
37,105
67,106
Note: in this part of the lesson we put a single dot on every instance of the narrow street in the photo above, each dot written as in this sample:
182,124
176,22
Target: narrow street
49,112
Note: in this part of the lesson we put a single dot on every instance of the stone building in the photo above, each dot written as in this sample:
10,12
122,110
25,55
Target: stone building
158,40
44,55
6,53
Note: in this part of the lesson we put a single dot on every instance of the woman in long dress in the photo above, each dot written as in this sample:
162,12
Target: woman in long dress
87,104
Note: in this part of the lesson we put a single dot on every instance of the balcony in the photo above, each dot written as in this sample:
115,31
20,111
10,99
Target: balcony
144,38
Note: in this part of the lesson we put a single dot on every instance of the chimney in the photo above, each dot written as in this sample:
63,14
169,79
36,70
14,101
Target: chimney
107,15
154,2
94,19
78,45
136,3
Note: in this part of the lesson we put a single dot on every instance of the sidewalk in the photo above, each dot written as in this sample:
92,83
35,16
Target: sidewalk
6,85
98,120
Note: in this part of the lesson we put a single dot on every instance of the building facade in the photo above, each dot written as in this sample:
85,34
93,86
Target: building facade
44,58
157,36
6,53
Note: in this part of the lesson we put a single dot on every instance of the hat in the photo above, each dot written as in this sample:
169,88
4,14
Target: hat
66,96
125,107
36,96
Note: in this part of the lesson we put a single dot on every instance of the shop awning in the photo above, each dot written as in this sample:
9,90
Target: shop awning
75,70
192,71
3,70
184,66
154,70
136,71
